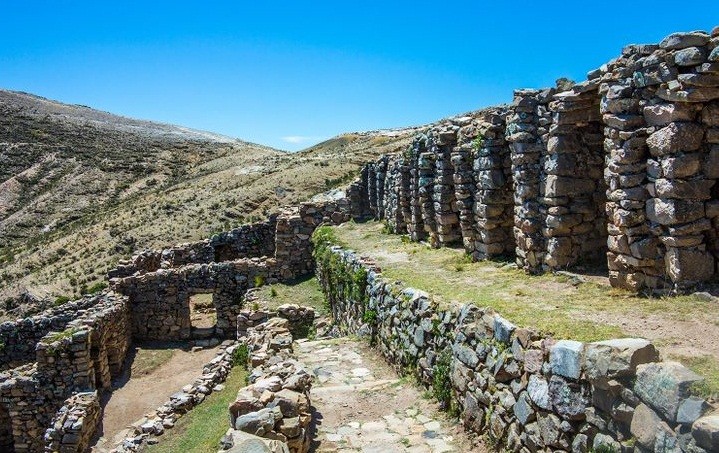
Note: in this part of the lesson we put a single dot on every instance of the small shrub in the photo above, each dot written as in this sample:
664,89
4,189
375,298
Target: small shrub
96,288
241,356
259,281
61,300
369,317
441,380
273,292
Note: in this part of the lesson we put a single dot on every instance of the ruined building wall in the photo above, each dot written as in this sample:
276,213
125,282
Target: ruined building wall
661,118
247,241
18,338
617,172
83,357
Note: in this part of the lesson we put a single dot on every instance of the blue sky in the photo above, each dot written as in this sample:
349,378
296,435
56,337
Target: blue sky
289,74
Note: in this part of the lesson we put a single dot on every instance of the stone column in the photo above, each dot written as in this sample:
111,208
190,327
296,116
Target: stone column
527,120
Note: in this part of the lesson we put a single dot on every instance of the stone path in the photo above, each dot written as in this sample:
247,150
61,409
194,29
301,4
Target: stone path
360,404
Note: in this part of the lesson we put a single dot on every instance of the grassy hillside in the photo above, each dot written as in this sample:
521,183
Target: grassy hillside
81,189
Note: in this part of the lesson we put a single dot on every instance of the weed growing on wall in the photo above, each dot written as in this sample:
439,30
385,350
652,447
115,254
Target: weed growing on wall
441,380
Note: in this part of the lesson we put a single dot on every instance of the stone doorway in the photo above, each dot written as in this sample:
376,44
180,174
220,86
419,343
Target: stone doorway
203,316
6,437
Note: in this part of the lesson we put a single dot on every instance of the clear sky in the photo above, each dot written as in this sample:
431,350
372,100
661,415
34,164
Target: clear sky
291,73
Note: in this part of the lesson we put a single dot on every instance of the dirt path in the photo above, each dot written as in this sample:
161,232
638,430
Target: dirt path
142,394
360,404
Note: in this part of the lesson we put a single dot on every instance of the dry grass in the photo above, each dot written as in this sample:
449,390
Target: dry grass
219,194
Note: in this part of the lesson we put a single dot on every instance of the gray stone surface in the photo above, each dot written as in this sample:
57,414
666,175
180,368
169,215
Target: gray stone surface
566,357
664,386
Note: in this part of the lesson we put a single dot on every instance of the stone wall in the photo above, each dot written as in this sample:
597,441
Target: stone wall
83,357
617,172
74,424
525,392
18,338
247,241
274,409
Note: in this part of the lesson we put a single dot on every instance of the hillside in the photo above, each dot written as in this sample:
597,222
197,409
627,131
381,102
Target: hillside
81,189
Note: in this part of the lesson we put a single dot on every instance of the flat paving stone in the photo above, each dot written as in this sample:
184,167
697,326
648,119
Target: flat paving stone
361,405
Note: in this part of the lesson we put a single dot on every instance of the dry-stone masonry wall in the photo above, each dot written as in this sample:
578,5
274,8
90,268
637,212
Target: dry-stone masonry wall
248,241
74,424
83,357
617,172
274,410
18,338
527,393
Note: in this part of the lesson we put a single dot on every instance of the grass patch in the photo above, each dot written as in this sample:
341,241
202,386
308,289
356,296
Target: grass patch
302,291
202,428
551,303
148,360
706,366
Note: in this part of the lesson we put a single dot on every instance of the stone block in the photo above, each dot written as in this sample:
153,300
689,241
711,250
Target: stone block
618,358
663,114
691,56
706,432
683,166
565,358
645,425
538,391
689,265
568,399
664,386
674,138
503,329
682,40
673,212
694,189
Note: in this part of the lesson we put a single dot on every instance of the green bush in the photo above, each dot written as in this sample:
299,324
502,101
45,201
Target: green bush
241,356
61,300
441,379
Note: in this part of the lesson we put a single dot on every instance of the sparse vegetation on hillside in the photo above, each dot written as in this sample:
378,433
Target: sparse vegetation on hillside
64,235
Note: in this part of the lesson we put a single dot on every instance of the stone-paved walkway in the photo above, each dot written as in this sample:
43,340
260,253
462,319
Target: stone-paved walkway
362,405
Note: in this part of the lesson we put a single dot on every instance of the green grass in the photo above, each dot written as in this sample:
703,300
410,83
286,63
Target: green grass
550,303
202,428
706,366
148,360
303,291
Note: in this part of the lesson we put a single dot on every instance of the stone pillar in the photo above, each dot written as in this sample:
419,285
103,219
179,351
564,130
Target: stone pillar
493,210
527,122
416,226
444,202
464,192
372,190
426,168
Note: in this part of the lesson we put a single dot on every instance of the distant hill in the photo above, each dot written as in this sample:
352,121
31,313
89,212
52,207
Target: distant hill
81,189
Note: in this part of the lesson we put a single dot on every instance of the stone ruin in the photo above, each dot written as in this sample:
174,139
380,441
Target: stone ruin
617,173
525,392
55,365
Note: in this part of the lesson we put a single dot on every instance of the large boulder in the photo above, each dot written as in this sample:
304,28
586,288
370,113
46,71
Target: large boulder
706,432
